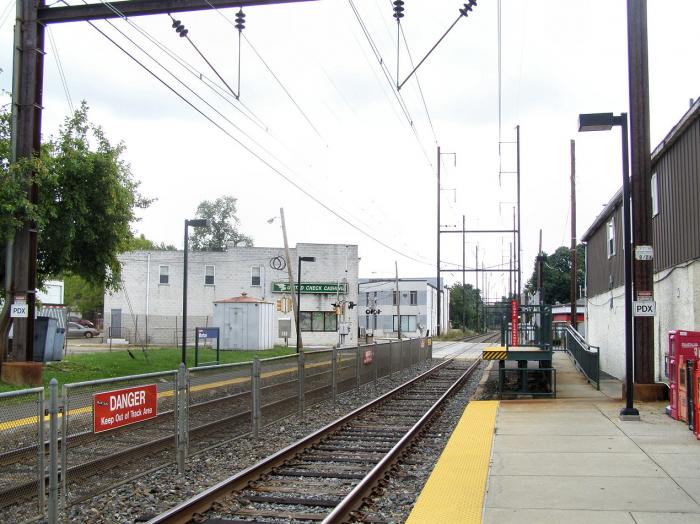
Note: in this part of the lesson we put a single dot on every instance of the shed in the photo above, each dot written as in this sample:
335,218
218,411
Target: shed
244,322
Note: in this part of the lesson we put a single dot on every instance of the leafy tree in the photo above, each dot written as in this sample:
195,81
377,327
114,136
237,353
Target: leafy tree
223,227
81,295
473,300
556,274
141,243
87,198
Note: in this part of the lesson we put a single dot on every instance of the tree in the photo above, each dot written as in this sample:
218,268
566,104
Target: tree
81,295
141,243
556,275
223,226
87,199
473,300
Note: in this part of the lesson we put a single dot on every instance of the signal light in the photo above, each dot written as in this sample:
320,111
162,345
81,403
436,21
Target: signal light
240,20
398,9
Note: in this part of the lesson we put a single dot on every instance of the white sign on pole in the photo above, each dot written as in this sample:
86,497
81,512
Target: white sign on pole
644,308
644,253
19,310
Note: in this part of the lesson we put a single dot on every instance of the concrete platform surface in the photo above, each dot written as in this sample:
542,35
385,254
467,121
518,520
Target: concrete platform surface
572,460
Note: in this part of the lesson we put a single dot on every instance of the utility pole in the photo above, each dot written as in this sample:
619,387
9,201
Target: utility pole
437,283
510,271
519,249
476,288
572,293
291,275
464,263
398,299
540,261
640,164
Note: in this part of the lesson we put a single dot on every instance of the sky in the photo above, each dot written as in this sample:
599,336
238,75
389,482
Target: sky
320,129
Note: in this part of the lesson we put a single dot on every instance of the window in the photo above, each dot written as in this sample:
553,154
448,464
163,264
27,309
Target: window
413,298
611,237
367,298
255,276
208,275
164,270
395,296
654,195
318,321
408,323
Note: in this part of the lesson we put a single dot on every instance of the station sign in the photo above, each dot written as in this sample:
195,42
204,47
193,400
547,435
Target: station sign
644,308
311,287
19,310
643,253
208,332
514,323
114,409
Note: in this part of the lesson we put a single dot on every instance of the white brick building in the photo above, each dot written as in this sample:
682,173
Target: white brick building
417,302
150,300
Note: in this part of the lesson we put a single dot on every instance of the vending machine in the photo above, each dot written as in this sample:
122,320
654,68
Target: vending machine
696,398
682,347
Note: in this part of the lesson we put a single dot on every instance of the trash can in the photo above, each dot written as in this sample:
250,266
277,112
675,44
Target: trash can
44,337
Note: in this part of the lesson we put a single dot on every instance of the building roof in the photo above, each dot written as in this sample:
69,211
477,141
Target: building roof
243,298
673,135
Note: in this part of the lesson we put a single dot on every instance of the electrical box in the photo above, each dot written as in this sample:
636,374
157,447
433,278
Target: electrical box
284,327
363,331
344,328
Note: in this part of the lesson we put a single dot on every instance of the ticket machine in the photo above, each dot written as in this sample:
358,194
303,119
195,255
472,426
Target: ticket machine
683,346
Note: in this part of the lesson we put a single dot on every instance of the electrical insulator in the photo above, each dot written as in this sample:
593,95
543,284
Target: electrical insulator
240,20
179,28
398,9
468,7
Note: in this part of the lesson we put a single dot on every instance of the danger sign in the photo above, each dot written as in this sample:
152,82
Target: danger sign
367,356
122,407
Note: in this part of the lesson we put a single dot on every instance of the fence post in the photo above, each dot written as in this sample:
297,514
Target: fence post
391,347
64,445
300,364
40,452
357,367
181,413
374,365
334,369
255,392
53,451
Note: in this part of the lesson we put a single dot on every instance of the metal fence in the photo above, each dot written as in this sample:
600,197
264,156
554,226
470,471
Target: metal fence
85,451
22,454
586,357
195,410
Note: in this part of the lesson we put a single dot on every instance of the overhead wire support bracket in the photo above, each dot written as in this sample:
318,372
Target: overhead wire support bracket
463,12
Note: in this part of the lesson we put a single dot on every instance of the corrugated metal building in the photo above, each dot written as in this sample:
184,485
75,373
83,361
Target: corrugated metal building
675,208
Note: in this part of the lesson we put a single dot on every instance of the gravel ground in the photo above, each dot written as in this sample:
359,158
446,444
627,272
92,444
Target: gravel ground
143,498
397,498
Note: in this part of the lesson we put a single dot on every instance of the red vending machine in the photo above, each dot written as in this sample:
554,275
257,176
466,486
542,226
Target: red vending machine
696,398
682,346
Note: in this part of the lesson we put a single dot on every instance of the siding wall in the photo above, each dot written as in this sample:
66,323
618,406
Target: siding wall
676,228
599,267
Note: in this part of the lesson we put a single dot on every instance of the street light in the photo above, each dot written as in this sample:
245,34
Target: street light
195,222
605,122
301,259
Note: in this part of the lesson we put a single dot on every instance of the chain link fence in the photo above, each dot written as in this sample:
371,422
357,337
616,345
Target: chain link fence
188,411
93,443
22,455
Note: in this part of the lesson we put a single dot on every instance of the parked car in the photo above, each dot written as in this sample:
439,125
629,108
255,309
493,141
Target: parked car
77,330
82,322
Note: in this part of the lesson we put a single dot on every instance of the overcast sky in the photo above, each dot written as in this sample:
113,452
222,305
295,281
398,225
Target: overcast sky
337,130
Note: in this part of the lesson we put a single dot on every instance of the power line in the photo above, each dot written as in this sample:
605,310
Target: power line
61,72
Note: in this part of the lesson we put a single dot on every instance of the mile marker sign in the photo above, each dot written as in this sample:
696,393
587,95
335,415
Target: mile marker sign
114,409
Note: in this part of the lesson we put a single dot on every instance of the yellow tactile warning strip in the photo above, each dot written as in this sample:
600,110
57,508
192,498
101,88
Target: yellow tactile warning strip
495,353
455,489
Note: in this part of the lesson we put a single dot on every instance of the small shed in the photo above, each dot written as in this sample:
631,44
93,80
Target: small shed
245,322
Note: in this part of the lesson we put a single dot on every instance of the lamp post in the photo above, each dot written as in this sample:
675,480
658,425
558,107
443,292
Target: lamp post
195,222
301,259
605,122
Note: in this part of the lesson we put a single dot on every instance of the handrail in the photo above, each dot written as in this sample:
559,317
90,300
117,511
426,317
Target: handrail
586,356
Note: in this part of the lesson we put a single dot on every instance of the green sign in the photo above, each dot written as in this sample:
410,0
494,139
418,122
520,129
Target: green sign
309,287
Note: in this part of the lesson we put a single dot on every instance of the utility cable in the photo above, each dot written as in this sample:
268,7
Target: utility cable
61,72
5,15
256,155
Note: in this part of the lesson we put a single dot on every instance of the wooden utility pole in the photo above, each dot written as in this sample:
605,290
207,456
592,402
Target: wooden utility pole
640,179
291,277
437,284
476,288
572,293
398,299
464,263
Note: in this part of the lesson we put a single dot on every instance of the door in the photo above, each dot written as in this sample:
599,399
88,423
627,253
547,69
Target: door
237,326
115,328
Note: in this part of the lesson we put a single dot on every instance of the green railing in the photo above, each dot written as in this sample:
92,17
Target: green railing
586,357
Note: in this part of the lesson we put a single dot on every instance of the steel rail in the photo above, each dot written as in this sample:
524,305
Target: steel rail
185,511
355,499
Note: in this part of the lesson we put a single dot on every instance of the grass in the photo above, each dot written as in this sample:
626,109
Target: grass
118,363
455,334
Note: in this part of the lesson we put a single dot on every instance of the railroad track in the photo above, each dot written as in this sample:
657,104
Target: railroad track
330,473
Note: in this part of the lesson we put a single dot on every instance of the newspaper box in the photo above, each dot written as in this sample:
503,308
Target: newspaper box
682,345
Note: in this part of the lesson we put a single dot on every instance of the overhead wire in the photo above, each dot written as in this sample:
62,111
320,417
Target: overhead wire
5,15
59,66
256,155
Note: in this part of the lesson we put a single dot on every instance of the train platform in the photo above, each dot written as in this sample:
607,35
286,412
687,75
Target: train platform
568,459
